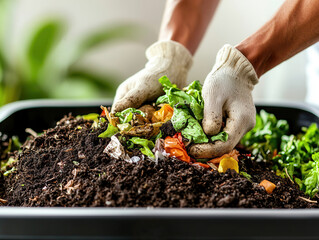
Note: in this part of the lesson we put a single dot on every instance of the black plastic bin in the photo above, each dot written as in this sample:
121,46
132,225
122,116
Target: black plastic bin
142,223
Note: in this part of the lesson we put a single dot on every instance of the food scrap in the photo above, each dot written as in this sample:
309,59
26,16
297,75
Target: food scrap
269,186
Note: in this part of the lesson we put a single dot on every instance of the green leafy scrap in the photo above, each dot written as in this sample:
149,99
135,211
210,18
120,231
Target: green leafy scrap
7,173
246,175
188,107
266,136
109,132
222,136
310,174
299,156
191,96
6,165
185,123
127,115
147,145
91,116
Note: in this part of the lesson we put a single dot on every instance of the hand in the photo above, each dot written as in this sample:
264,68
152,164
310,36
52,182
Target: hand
165,58
227,93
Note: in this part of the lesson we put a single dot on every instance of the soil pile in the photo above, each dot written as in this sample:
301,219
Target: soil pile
66,166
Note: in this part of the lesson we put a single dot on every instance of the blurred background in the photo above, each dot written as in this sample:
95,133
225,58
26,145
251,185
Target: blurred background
85,48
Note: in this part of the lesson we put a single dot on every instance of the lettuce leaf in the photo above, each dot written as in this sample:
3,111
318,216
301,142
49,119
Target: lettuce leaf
222,136
147,145
127,115
191,96
109,132
188,107
185,123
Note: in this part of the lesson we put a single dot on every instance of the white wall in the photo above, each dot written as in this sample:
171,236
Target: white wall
233,21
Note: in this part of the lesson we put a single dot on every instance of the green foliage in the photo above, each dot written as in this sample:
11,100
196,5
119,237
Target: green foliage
246,175
298,155
265,137
42,43
41,71
107,35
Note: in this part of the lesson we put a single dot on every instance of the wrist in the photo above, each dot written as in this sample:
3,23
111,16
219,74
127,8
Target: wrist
232,61
256,55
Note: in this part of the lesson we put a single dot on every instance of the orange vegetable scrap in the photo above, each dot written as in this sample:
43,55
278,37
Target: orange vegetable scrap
234,154
180,139
202,165
176,149
269,186
164,114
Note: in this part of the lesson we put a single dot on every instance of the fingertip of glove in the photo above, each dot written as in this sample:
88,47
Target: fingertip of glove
212,127
210,150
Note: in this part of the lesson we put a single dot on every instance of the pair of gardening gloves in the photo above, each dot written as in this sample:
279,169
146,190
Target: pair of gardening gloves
227,91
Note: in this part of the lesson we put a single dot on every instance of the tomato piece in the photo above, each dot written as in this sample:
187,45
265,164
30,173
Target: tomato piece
180,138
176,149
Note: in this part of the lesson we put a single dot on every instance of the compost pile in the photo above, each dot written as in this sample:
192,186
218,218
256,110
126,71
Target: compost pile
77,163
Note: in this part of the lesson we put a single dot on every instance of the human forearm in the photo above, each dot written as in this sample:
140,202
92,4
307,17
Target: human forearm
186,21
293,28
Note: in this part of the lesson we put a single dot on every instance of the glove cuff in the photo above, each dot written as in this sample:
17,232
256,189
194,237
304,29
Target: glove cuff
170,50
228,56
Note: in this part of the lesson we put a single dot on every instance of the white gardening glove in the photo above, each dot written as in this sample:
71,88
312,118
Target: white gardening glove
164,58
227,93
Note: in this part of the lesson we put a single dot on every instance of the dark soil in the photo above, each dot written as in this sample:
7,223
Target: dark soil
66,166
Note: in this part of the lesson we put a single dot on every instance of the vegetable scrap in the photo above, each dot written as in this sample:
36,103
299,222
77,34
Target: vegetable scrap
228,163
269,186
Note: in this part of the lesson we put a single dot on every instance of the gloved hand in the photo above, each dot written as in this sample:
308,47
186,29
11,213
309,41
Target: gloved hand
164,58
227,93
